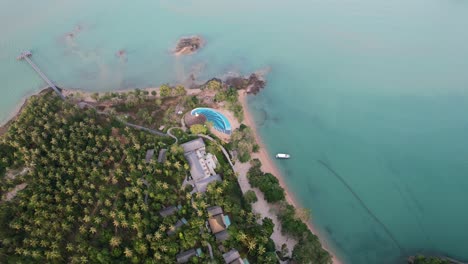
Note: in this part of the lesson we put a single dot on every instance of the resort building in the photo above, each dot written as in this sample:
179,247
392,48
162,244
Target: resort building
178,224
218,222
168,211
162,155
233,257
149,155
202,165
184,257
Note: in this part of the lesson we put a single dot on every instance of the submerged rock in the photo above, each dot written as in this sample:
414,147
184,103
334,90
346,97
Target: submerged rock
121,53
189,45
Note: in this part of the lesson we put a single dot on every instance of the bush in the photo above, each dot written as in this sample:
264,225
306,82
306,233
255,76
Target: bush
243,141
309,250
180,90
214,84
268,184
250,197
191,101
256,148
271,188
165,90
268,227
198,129
220,96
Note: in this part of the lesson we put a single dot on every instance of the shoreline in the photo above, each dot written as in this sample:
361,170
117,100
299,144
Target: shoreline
267,162
269,166
14,114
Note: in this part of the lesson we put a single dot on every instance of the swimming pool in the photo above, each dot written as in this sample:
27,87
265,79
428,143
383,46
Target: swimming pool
220,122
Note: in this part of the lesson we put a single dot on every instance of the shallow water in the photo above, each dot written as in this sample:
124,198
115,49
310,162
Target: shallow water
368,96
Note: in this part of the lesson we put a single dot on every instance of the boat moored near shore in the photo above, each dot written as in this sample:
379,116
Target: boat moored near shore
282,156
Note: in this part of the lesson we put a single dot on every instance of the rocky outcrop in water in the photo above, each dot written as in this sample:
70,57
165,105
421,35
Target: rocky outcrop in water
251,85
189,45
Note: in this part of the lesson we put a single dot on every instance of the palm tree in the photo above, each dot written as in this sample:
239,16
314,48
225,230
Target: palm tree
157,256
157,236
128,253
261,250
115,241
241,236
251,245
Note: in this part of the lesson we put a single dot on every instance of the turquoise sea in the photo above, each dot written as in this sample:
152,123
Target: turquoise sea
368,96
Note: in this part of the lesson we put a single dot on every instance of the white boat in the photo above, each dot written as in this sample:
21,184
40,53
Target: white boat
282,156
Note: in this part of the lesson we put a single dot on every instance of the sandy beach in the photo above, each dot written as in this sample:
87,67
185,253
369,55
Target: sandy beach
269,166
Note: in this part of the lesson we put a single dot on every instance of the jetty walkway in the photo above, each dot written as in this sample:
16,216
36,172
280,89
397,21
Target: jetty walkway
25,56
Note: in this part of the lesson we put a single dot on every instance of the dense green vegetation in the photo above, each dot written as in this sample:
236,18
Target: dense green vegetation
165,90
308,249
198,129
228,95
7,158
92,198
266,182
243,141
148,109
250,196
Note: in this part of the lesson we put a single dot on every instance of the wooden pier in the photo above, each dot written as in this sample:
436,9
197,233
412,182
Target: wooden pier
25,56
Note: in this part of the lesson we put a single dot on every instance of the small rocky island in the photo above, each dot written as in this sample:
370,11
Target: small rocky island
189,45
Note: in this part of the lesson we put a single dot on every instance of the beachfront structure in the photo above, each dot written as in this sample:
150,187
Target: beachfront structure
233,257
180,223
218,222
170,210
220,122
25,55
202,165
184,257
162,155
149,155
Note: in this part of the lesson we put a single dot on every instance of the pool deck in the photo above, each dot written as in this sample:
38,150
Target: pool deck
209,112
232,120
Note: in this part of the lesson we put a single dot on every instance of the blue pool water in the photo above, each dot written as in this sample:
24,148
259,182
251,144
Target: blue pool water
220,122
227,221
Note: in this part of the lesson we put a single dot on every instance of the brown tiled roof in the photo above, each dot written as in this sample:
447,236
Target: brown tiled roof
191,120
217,223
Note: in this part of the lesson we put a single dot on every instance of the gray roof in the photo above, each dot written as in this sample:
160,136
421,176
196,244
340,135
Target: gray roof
203,184
149,155
196,170
193,145
178,224
185,256
231,256
221,236
168,211
162,156
214,210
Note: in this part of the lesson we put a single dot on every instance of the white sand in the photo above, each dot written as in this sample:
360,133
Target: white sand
263,208
11,194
